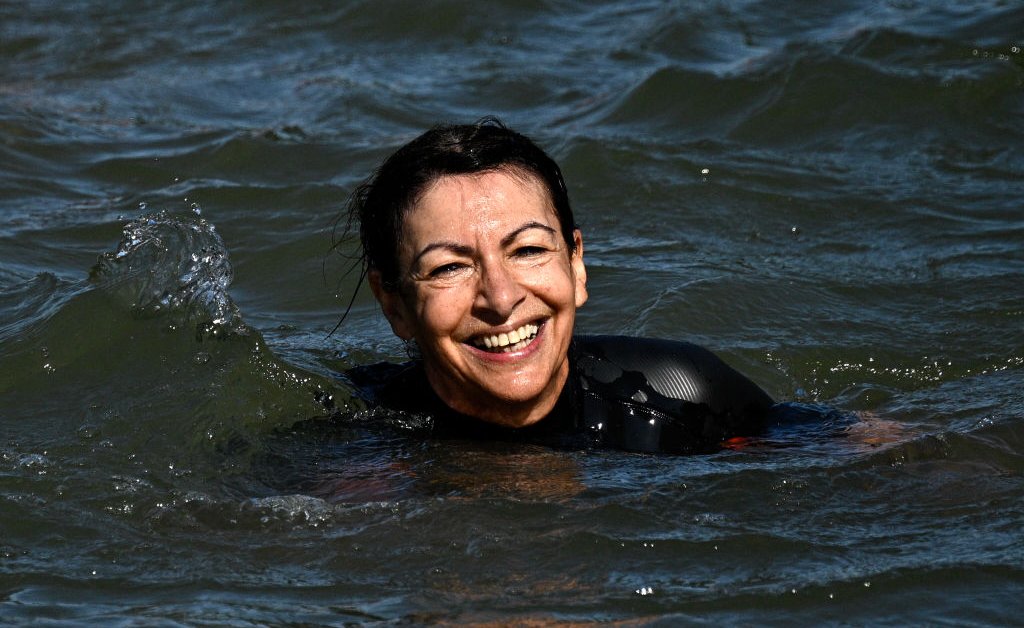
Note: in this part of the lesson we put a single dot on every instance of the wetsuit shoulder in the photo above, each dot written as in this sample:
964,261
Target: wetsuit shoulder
638,394
401,386
649,394
674,369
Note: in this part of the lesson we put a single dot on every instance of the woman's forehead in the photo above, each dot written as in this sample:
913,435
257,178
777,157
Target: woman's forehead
459,196
503,177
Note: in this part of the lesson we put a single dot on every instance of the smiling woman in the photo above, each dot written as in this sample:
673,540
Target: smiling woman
489,293
470,246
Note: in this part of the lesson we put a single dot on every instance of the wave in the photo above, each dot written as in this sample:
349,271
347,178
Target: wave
818,93
149,357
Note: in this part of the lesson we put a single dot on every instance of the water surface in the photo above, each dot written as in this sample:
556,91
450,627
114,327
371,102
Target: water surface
829,196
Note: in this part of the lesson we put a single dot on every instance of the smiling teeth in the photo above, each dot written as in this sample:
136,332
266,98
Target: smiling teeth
512,341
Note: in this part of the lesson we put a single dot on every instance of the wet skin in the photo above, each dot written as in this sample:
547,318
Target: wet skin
481,261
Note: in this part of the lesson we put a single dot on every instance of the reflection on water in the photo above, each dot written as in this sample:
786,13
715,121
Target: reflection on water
451,471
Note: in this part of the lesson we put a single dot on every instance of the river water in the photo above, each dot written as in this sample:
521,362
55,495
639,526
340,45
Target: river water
829,195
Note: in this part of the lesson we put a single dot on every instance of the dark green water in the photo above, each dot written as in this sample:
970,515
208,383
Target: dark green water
829,195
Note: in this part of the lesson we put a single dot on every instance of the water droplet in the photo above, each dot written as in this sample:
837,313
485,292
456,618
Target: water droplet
31,461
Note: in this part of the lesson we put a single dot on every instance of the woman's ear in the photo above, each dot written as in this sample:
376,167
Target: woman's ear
392,305
579,270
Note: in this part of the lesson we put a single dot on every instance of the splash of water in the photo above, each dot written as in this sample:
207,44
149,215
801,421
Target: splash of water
176,266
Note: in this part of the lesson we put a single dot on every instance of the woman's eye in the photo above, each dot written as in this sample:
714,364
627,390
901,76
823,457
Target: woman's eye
446,269
529,251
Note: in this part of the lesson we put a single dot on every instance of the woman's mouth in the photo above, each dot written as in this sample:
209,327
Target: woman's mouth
515,340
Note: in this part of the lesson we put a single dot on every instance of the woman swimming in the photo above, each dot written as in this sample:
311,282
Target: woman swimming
470,247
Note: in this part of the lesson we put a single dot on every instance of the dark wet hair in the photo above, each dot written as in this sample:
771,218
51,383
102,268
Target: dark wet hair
380,204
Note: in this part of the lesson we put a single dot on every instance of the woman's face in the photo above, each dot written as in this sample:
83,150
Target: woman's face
488,289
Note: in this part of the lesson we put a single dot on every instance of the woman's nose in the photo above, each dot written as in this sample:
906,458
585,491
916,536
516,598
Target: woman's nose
499,292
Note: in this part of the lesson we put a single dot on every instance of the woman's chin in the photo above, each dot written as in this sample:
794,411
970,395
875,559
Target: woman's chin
516,400
514,386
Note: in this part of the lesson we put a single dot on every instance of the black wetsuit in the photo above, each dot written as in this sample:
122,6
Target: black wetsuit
636,394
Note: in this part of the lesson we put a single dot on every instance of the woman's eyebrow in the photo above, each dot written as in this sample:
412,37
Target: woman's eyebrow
454,247
533,224
462,249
